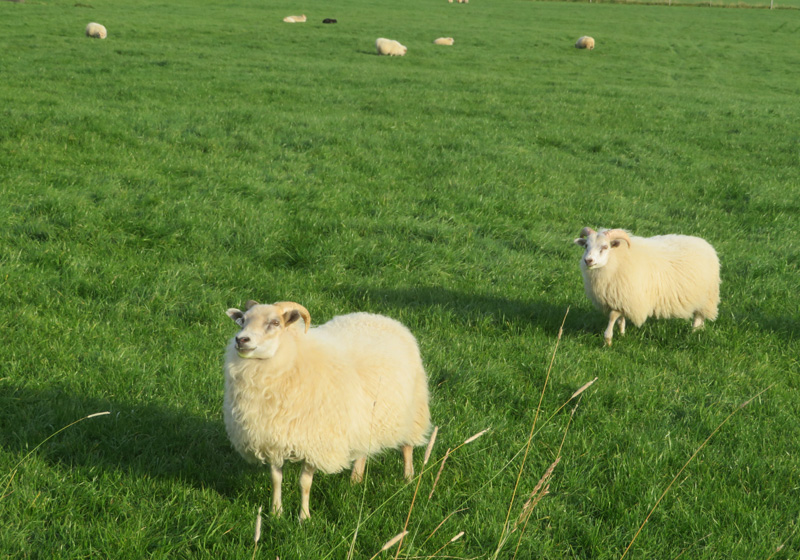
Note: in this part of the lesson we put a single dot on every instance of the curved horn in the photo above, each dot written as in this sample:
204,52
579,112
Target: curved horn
613,234
290,305
587,231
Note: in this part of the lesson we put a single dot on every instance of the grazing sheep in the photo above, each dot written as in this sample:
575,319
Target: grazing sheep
585,43
329,397
444,41
390,47
295,19
328,20
640,277
96,30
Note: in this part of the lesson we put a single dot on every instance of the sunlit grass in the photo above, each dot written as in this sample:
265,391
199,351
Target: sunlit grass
205,154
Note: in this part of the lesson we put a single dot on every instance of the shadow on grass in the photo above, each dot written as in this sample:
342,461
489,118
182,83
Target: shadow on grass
141,440
471,308
786,326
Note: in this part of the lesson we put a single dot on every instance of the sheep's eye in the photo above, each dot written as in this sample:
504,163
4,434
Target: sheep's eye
275,323
604,247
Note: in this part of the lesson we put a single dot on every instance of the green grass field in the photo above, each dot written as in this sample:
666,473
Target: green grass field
206,153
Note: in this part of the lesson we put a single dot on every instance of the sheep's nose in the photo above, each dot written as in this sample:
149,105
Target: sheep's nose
589,261
242,340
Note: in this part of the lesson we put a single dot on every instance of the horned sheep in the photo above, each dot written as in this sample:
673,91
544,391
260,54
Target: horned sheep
636,277
390,47
96,31
585,42
329,396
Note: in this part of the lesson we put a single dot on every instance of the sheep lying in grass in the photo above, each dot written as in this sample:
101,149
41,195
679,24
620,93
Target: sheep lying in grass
585,43
444,41
96,31
636,277
329,397
295,19
390,47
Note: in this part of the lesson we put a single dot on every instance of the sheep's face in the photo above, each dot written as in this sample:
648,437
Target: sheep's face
261,329
597,250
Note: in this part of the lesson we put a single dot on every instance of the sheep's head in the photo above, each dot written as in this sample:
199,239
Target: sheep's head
598,245
262,326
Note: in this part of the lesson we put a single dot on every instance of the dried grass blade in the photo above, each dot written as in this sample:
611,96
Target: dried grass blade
476,436
438,474
430,445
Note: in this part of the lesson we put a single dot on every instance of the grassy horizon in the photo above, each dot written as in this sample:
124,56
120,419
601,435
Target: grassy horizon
208,154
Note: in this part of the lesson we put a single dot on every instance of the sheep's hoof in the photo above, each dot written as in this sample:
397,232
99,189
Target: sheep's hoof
356,478
608,341
304,515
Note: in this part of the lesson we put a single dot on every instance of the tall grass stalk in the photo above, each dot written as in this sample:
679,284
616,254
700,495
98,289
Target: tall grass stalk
13,471
504,531
441,467
782,545
702,445
439,526
390,543
441,548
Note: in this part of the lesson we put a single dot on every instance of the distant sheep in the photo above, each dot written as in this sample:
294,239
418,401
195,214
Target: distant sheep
329,396
639,277
585,43
96,30
295,19
444,41
390,47
328,20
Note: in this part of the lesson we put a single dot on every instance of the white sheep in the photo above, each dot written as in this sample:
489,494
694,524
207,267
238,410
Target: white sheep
639,277
96,30
444,41
390,47
329,396
295,19
585,42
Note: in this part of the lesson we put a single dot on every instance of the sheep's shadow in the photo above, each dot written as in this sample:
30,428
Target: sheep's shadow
469,308
140,439
786,326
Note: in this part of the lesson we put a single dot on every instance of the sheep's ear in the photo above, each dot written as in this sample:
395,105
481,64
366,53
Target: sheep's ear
290,317
236,315
250,303
580,241
616,242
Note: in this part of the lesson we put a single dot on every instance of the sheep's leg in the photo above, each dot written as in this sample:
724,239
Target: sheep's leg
612,318
306,477
621,323
698,322
277,477
358,470
408,463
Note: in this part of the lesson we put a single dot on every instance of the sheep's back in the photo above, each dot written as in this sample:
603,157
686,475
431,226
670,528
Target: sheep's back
670,276
393,385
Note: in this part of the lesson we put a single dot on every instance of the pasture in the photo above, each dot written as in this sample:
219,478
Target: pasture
206,153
